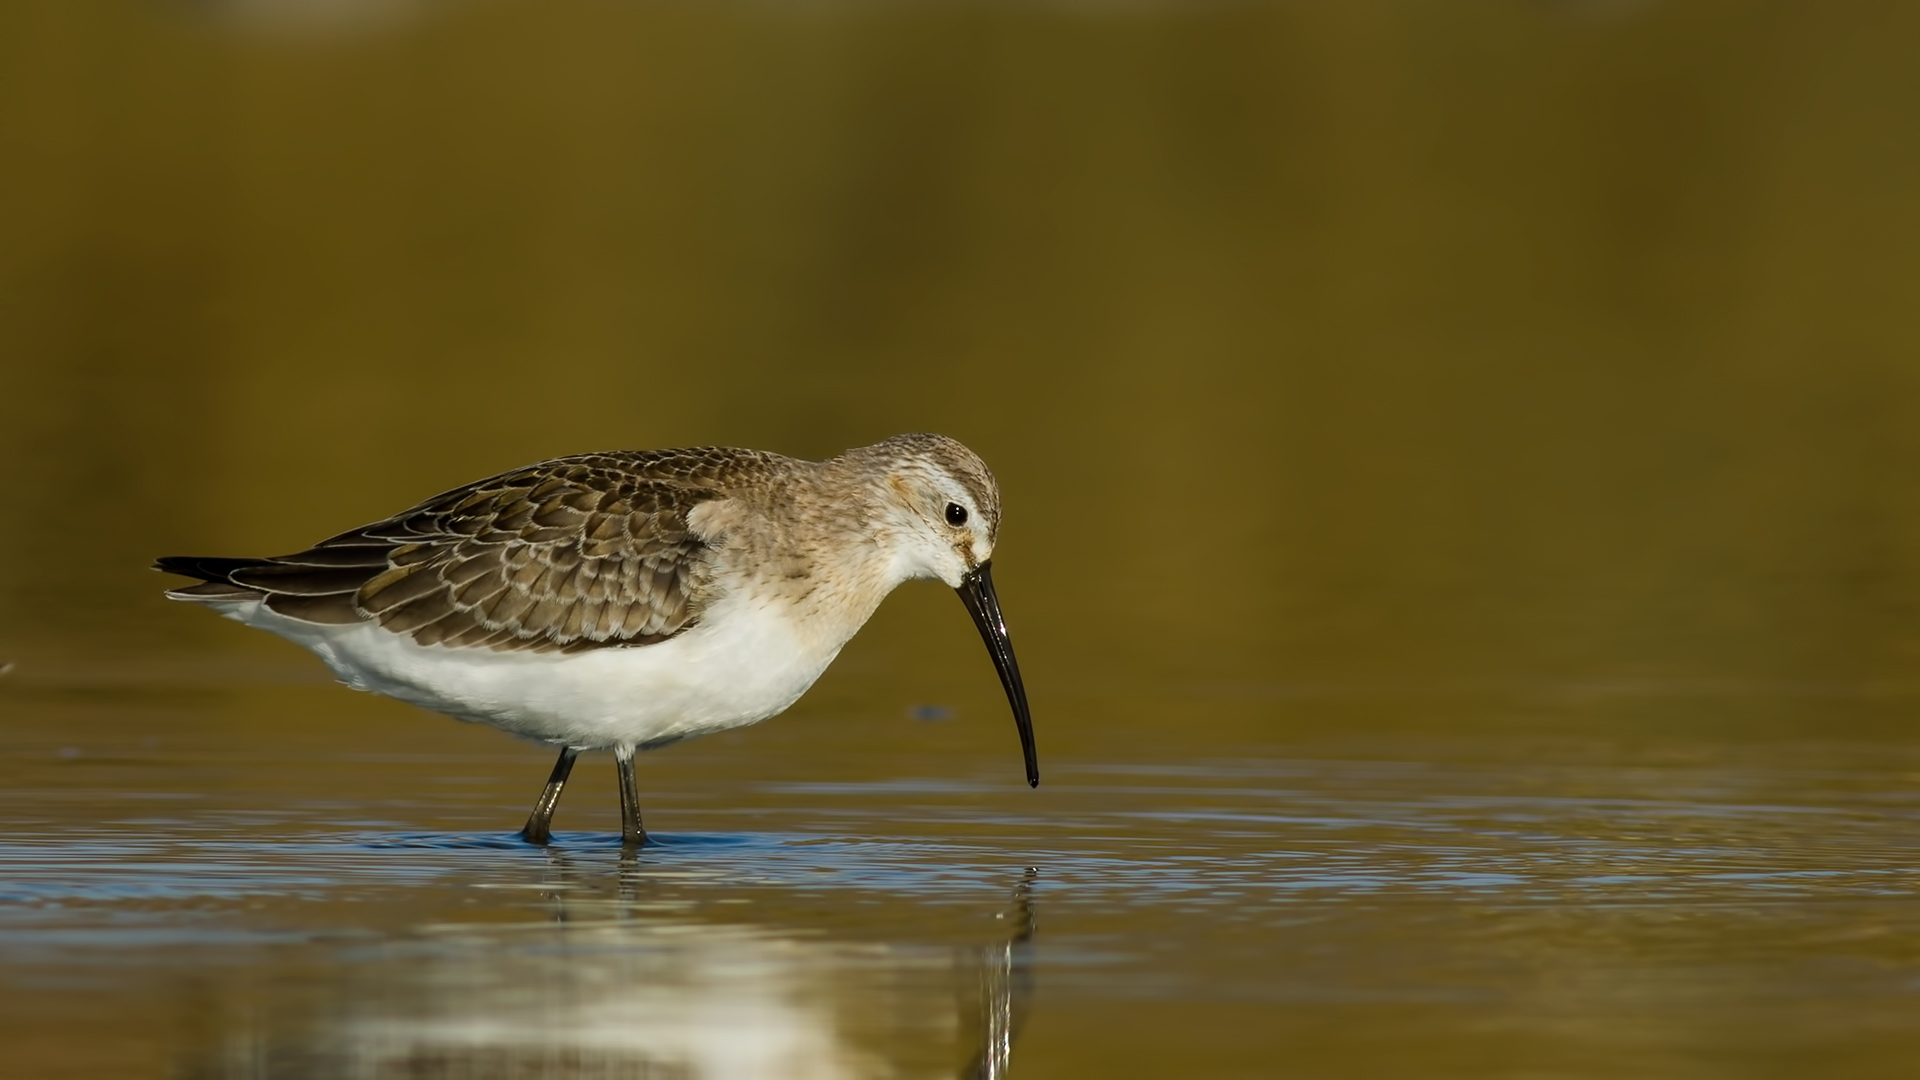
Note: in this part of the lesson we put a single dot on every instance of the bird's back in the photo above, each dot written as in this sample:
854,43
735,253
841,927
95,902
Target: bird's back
582,552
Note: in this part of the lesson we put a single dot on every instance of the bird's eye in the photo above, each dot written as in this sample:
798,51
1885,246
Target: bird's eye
956,515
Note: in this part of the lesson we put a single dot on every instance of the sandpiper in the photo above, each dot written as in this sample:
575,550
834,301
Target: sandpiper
631,599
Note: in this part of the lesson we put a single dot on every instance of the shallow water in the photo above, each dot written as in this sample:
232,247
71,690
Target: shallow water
1502,904
1460,534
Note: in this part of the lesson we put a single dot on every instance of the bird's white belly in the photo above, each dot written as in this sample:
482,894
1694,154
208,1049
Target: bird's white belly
742,664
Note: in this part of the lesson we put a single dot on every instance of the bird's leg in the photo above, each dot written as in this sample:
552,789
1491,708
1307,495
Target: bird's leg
537,829
631,834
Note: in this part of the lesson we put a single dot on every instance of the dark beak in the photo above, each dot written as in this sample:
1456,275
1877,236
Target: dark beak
976,591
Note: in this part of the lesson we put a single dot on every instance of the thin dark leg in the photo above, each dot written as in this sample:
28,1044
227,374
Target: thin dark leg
536,830
631,834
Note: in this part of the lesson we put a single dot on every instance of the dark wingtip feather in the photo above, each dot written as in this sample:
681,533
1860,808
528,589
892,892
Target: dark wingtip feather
213,590
204,567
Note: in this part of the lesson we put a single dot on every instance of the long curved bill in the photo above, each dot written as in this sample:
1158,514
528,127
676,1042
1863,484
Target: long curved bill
976,591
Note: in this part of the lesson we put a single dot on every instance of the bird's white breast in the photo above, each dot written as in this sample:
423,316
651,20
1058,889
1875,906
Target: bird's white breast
743,663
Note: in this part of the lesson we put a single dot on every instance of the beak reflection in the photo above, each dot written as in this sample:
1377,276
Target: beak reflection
976,591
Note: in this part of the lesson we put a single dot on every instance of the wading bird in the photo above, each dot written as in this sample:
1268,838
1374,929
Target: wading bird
628,600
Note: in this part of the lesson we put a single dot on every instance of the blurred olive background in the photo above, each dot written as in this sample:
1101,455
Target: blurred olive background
1559,351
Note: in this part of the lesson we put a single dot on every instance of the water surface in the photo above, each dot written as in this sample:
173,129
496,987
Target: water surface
1504,904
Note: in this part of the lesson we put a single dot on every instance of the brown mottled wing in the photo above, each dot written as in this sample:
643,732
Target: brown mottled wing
571,554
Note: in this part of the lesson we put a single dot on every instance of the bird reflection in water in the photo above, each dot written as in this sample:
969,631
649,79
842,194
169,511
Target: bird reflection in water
1005,991
639,984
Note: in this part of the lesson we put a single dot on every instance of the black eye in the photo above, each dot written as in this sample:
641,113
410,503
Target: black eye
956,515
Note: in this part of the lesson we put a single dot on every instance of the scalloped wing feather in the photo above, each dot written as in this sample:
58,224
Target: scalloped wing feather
570,554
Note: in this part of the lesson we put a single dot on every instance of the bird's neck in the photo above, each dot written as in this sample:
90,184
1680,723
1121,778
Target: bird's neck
844,558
